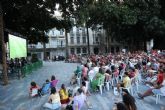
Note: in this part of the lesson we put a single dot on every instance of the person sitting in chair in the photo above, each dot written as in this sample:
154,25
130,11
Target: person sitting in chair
125,83
157,89
77,72
158,80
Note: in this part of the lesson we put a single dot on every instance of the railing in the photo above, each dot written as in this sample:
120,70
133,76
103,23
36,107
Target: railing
20,72
27,69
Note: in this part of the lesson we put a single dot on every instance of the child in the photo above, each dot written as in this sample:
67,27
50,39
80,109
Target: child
34,89
45,87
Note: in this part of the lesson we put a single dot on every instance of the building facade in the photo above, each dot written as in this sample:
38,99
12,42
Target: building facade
98,41
77,43
54,47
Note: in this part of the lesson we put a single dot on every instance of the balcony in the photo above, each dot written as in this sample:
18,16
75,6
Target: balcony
71,34
78,34
60,46
96,43
84,33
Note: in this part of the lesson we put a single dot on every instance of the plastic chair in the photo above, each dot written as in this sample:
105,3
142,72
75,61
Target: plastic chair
78,78
121,74
117,79
158,97
101,83
137,83
108,82
129,86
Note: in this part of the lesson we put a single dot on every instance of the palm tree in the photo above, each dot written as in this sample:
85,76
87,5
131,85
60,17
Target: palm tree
4,65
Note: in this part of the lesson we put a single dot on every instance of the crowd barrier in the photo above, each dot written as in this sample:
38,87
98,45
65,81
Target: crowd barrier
27,69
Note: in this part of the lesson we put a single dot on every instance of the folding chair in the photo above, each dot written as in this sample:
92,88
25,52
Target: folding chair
78,78
101,83
108,82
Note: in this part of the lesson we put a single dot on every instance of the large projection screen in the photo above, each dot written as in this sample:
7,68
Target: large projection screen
17,47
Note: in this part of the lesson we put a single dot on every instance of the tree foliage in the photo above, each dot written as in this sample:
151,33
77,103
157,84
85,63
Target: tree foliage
32,18
135,20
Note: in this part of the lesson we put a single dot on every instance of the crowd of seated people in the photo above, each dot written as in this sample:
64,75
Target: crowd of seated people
121,71
124,71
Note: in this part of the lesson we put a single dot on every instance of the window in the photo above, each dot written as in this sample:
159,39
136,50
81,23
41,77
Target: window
61,31
83,30
117,49
61,43
97,39
71,32
112,50
106,39
72,40
53,33
84,40
112,39
78,50
78,40
84,50
106,50
78,34
72,50
77,30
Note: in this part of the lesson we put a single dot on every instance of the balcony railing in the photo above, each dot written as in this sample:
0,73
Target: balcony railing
96,43
77,34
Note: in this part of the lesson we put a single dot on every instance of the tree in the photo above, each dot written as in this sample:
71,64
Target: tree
4,65
112,16
148,25
131,20
30,18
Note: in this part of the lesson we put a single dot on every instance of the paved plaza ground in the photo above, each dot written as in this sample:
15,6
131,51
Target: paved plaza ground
15,95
